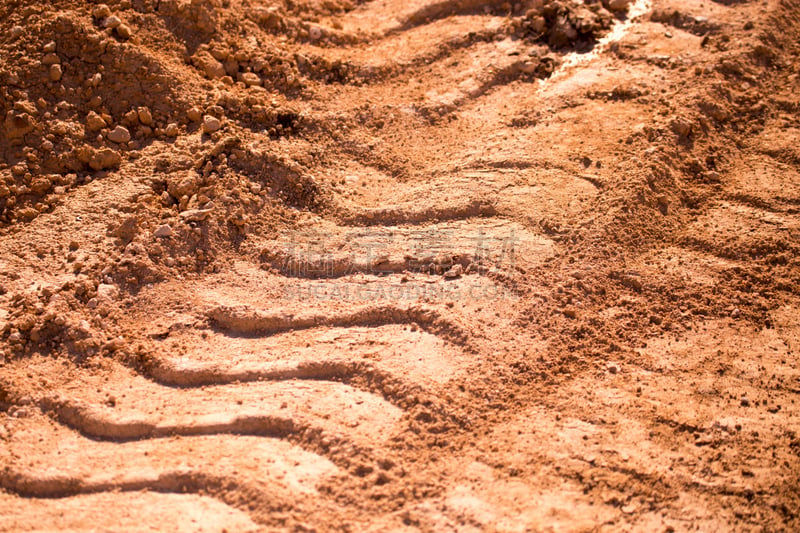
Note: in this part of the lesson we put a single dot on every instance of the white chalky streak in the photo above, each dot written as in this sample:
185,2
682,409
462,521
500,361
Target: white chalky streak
575,59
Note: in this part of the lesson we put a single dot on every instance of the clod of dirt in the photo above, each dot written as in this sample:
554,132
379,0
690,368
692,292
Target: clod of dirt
211,124
119,135
163,231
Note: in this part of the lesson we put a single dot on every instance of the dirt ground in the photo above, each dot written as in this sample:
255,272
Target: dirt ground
373,265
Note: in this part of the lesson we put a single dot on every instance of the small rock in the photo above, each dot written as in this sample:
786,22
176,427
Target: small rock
171,130
163,231
682,127
119,135
206,62
704,439
55,72
250,79
619,5
744,402
613,368
562,32
105,159
528,67
315,33
570,312
195,215
194,114
211,124
632,281
538,24
112,22
16,32
94,122
736,313
124,31
145,117
107,292
127,230
101,11
51,59
179,187
49,47
454,272
4,434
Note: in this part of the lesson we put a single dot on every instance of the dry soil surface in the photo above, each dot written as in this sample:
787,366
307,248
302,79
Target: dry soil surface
383,265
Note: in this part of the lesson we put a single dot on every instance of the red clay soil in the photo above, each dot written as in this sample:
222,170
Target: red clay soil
400,266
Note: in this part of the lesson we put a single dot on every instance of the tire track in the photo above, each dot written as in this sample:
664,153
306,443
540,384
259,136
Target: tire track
483,246
275,474
124,512
323,415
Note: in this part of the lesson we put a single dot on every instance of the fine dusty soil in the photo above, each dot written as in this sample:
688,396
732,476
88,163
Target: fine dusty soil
383,265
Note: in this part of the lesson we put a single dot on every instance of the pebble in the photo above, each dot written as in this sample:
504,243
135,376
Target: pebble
196,215
145,117
454,272
182,186
704,439
619,5
101,11
682,127
736,313
163,231
315,33
119,135
112,22
51,59
212,68
562,33
107,292
529,67
745,402
538,24
127,230
55,72
211,124
612,367
194,114
94,122
250,79
171,130
124,31
16,32
104,159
